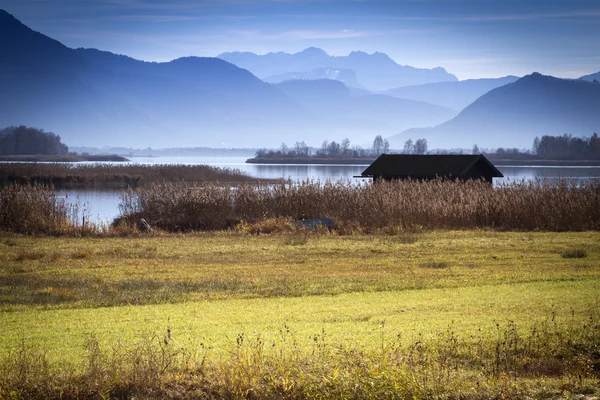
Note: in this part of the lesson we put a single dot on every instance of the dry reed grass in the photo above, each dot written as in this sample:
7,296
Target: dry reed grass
109,175
35,209
385,206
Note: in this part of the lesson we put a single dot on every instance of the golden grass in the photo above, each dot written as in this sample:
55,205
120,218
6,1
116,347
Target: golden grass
432,314
392,206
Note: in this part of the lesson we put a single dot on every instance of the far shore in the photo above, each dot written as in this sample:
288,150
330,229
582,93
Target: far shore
63,158
368,161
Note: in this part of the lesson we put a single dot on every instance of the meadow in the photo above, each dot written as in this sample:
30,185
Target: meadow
230,314
121,176
421,290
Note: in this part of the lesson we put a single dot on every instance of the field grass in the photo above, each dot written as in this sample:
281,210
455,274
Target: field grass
67,272
444,314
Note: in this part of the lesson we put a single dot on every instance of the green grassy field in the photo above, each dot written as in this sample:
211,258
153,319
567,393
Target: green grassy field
445,314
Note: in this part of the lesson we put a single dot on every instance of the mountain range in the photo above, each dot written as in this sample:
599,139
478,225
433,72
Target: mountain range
336,105
455,95
514,114
591,77
96,98
376,72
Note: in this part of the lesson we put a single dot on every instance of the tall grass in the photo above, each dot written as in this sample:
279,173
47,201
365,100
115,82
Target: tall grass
527,205
121,176
35,209
543,361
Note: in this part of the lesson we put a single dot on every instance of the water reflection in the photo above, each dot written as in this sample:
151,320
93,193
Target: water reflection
100,206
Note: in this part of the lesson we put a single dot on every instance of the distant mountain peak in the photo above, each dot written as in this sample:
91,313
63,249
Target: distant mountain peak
358,53
314,51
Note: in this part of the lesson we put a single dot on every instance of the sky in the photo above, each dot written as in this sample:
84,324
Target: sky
469,38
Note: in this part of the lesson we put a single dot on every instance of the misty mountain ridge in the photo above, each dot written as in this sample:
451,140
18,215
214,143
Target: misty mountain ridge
97,98
454,95
514,114
334,104
375,71
591,77
346,76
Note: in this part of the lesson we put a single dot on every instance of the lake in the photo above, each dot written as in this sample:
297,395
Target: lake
102,205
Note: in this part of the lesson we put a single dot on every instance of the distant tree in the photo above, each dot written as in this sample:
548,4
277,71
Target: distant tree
284,149
408,147
322,152
345,147
377,145
23,140
420,146
536,145
334,149
475,150
301,149
386,146
595,144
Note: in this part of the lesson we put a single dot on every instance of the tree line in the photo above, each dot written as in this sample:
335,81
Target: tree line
341,150
23,140
565,147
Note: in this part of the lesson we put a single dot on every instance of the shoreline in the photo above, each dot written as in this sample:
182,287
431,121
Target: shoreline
63,158
368,161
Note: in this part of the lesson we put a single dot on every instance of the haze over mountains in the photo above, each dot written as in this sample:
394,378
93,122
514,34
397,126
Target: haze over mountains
335,105
373,71
96,98
454,95
534,105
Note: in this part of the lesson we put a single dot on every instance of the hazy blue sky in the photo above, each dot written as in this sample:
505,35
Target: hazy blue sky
470,38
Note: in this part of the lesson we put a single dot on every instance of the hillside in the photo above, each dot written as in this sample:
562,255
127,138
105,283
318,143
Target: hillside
374,71
97,98
346,76
454,95
591,77
336,105
514,114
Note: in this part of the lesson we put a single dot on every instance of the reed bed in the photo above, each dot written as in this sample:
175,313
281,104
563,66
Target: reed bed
558,205
35,209
110,175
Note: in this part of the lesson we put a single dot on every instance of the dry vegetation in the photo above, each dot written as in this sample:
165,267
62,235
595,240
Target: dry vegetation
442,314
548,361
383,207
118,176
410,312
527,205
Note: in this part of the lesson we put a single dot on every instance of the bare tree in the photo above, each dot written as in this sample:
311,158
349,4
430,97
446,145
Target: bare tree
420,146
386,146
345,147
301,149
284,149
408,147
377,145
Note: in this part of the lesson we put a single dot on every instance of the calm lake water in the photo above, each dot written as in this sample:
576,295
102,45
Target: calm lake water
102,206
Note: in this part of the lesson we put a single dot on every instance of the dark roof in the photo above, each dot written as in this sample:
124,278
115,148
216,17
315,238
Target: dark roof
428,166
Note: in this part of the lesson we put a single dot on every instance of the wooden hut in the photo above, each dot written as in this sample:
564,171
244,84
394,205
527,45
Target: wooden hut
426,167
